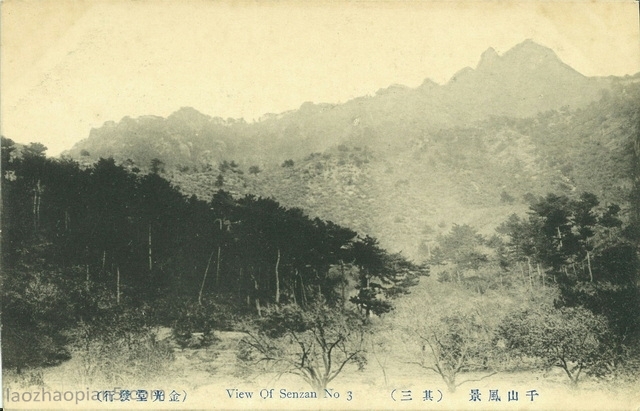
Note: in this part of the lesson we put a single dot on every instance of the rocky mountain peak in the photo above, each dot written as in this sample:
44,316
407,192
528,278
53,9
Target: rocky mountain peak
488,58
530,51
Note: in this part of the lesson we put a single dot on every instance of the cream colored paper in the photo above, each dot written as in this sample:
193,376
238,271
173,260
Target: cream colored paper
69,66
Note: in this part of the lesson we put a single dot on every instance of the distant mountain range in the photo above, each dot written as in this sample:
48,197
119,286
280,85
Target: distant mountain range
407,163
527,79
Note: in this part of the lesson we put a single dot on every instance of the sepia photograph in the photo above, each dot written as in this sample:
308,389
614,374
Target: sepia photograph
325,204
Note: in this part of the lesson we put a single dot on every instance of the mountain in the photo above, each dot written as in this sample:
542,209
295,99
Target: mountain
407,163
526,80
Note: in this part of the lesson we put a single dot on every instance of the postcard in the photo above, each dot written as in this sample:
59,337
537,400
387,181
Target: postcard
341,205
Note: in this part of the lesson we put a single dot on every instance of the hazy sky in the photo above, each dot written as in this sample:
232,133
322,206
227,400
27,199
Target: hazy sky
68,66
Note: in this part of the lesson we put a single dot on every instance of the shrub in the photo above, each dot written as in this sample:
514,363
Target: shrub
119,349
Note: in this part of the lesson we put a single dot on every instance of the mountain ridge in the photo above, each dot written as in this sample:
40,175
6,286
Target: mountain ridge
521,82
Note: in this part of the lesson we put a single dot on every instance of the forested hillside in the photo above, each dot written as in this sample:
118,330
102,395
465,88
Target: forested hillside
476,175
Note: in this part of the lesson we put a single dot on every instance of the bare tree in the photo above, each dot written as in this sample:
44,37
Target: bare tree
315,344
459,343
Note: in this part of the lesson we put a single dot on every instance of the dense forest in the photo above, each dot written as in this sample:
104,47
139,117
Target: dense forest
82,246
